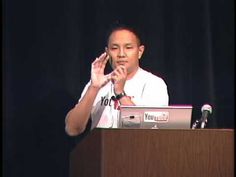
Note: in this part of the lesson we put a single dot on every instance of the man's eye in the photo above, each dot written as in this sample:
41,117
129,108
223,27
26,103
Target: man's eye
129,47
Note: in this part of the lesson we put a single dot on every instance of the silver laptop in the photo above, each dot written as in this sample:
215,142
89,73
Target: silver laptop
146,117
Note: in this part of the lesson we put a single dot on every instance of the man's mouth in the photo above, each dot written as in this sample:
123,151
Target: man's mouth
121,62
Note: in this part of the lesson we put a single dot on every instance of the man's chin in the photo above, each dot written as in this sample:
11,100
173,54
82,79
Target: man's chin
122,65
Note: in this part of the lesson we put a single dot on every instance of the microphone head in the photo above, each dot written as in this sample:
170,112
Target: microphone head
206,107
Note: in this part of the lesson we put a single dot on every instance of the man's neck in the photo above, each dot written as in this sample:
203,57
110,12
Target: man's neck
131,75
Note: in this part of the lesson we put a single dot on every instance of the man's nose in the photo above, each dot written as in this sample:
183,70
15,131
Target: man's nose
121,53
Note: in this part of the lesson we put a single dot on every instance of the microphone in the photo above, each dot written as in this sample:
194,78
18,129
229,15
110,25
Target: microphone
206,110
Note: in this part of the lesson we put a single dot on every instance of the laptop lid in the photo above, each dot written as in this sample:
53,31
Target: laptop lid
147,117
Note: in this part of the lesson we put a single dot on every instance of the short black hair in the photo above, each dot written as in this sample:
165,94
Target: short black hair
117,25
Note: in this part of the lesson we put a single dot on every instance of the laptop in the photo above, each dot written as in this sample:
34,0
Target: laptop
146,117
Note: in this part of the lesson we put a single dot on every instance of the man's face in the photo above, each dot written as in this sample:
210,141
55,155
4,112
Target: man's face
124,49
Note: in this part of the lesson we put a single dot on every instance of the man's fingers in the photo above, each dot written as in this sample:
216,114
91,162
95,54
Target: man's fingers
101,60
102,57
104,61
121,70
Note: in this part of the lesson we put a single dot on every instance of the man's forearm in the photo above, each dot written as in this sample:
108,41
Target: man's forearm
77,118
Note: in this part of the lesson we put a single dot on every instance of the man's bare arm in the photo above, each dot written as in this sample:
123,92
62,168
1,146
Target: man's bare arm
77,118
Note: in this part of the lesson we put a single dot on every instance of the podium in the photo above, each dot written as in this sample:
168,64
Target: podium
154,153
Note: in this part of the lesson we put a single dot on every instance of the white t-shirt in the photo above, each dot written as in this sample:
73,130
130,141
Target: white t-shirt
144,89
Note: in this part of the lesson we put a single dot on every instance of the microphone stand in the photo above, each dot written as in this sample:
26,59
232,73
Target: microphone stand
203,124
197,122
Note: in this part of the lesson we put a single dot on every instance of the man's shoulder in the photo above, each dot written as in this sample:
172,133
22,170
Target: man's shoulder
148,75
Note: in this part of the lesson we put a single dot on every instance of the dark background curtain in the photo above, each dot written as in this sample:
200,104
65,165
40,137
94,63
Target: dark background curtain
48,47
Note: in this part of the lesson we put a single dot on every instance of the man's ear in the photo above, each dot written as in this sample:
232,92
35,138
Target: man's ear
106,50
141,50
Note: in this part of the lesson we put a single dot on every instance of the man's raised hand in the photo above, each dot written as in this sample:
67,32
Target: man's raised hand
98,79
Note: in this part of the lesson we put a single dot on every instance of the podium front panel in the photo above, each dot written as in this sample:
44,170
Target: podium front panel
154,153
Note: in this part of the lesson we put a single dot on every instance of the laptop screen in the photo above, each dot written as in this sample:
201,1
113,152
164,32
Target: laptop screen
169,117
